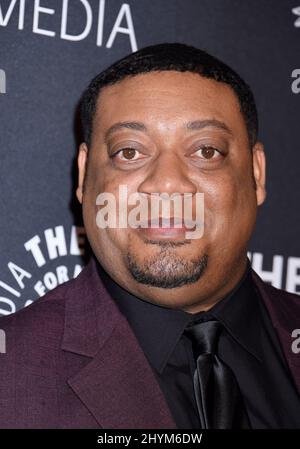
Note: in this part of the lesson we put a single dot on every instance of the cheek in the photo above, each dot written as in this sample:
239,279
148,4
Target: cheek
230,202
101,179
113,238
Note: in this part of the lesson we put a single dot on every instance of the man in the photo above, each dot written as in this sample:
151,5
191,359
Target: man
161,330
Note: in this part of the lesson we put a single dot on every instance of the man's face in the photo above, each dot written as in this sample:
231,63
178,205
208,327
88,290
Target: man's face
190,138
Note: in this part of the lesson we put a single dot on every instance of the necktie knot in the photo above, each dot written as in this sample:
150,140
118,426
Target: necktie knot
219,400
205,336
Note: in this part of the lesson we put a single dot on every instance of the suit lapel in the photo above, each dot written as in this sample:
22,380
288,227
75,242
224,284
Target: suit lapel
118,385
285,316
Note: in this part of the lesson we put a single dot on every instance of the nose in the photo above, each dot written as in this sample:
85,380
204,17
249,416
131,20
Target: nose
168,174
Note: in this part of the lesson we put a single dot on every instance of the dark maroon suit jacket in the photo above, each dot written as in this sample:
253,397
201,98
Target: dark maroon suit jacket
72,360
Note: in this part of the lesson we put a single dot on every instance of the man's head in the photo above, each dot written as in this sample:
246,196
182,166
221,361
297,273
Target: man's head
172,119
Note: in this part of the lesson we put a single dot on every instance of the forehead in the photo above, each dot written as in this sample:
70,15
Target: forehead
168,97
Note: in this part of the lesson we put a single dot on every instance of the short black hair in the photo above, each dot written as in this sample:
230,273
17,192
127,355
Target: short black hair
163,57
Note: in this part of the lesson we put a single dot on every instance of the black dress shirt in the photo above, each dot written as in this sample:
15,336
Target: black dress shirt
248,344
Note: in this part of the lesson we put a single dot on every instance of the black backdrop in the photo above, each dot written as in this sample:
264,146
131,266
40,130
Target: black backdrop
50,49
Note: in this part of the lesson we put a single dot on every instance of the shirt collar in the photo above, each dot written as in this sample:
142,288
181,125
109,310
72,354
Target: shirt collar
240,314
158,329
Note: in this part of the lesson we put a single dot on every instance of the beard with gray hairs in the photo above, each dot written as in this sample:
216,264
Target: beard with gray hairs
166,269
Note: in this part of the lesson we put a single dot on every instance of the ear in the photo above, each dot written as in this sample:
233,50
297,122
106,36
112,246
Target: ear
82,163
259,171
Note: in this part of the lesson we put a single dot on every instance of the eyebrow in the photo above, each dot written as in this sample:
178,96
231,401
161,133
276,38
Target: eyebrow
214,123
137,126
194,125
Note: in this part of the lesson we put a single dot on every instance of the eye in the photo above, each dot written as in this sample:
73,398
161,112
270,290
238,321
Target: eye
127,154
207,152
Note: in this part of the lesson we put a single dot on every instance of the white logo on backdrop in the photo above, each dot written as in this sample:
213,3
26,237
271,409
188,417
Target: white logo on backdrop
51,245
275,273
92,17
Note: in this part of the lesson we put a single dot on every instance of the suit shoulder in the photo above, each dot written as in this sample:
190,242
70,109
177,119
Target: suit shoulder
283,306
283,294
44,315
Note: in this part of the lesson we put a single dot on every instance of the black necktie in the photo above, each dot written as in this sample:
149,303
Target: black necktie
218,397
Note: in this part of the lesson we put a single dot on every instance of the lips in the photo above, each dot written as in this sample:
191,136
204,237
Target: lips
164,228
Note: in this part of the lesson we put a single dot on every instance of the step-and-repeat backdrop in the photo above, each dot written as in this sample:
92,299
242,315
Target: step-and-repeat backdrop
49,51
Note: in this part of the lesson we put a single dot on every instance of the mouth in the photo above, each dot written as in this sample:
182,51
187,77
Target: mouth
165,228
